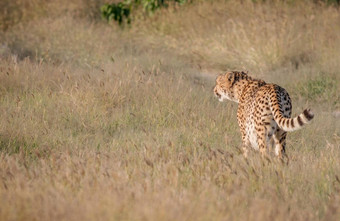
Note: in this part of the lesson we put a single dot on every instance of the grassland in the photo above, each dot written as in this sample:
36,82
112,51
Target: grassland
104,123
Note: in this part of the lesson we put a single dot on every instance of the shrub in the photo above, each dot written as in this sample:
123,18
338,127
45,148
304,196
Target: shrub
121,11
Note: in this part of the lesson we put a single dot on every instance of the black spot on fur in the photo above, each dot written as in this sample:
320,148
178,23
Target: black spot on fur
300,121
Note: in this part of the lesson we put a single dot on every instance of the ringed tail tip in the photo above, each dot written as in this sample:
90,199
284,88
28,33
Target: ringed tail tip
308,114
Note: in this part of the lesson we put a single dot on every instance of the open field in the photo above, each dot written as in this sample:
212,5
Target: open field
104,123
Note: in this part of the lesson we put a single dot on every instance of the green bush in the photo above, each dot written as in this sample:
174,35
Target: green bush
117,11
121,11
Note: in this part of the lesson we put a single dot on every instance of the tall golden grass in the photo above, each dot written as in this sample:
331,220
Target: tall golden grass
104,123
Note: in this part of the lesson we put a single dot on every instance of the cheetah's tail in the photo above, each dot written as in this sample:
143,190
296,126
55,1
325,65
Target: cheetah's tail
291,124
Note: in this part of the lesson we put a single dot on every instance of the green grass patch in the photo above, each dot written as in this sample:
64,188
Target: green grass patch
322,88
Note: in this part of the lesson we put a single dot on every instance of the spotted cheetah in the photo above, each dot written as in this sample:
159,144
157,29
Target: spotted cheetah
264,111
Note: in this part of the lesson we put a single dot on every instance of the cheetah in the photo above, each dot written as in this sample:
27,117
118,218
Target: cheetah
264,111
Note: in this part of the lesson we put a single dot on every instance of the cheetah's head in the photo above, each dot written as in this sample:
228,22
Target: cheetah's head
228,85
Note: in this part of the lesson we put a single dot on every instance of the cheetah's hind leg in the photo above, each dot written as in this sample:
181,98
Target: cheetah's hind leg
280,144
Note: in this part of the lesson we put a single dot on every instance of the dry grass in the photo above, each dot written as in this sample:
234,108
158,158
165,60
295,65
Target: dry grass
100,123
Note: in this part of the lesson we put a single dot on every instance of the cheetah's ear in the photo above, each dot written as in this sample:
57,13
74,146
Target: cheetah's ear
233,77
230,77
219,77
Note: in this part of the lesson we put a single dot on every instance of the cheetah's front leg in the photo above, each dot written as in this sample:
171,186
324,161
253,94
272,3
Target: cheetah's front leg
261,139
245,144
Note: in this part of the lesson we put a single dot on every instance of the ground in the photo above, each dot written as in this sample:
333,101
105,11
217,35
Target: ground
110,123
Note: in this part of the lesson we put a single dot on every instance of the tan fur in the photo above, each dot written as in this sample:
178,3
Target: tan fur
264,111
